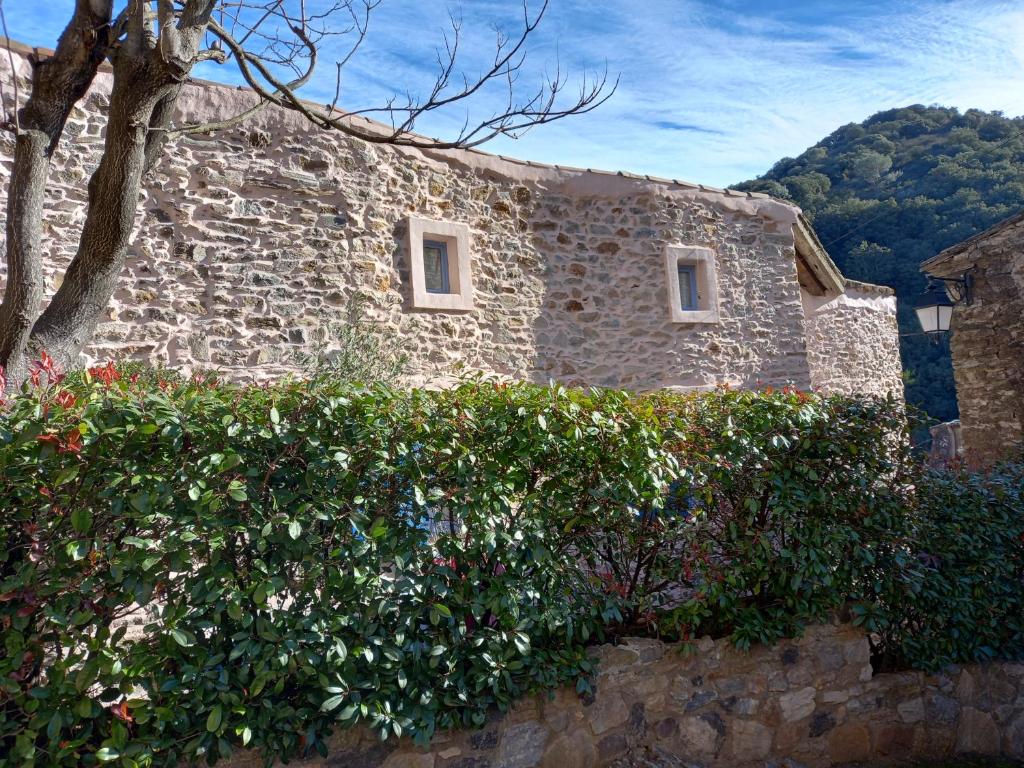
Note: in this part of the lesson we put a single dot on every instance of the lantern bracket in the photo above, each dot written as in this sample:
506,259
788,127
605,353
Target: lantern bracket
960,289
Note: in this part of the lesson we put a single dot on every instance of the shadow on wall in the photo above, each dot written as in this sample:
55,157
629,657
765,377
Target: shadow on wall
604,316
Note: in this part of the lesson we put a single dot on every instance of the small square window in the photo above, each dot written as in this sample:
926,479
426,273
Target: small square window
692,284
435,267
440,265
688,287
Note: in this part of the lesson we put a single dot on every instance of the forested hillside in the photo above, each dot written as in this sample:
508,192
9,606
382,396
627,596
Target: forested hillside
888,193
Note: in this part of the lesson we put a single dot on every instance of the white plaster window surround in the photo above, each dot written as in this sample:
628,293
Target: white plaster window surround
455,238
696,263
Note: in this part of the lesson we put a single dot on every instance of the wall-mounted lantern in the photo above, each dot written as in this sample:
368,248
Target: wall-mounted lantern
935,308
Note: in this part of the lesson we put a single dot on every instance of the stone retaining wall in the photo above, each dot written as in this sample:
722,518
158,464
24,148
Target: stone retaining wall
808,702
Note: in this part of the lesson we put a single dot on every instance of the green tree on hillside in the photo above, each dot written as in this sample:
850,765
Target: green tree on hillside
888,193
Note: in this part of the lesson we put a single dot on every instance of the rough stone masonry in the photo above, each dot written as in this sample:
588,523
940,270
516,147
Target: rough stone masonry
812,702
251,244
988,339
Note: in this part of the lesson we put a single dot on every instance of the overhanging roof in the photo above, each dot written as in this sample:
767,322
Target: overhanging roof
941,265
817,272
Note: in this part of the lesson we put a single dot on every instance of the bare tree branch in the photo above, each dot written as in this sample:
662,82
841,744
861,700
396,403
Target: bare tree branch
516,118
153,46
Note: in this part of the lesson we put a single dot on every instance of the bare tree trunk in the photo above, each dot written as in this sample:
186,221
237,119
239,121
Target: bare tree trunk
57,84
149,70
141,95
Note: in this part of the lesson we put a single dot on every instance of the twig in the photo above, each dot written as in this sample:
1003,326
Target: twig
14,74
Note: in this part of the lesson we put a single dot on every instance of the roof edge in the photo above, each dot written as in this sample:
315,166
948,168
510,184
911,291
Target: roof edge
23,49
813,252
883,290
962,247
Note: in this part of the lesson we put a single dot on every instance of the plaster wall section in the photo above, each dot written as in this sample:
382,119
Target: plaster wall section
853,341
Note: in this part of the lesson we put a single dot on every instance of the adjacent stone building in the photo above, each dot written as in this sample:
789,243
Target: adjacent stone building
988,339
252,243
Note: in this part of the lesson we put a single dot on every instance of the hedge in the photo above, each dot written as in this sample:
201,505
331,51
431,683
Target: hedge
191,567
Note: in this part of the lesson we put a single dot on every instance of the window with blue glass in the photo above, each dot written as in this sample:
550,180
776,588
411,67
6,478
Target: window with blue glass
435,267
688,300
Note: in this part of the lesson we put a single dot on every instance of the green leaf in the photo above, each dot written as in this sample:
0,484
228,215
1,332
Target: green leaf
77,550
275,417
81,520
214,718
106,754
262,592
53,728
140,501
332,703
294,529
66,475
183,638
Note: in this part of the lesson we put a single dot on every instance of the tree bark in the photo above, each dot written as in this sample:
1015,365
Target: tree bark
149,70
141,93
57,84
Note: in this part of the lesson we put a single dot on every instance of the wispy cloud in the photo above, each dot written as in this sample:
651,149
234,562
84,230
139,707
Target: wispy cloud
710,91
672,125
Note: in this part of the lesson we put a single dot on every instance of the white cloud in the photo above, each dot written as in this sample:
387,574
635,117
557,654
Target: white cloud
713,92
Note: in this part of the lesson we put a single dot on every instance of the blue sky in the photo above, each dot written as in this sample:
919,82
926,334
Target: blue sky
711,91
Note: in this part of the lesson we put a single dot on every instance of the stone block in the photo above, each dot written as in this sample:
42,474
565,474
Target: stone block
798,704
522,746
700,735
611,746
1014,743
893,739
821,723
608,711
977,733
700,699
749,740
409,760
942,709
849,743
911,711
575,749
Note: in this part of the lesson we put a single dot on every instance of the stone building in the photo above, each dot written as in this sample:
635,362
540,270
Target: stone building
988,339
251,243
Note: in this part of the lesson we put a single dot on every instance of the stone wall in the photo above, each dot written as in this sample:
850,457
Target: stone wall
987,341
808,702
251,244
853,340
